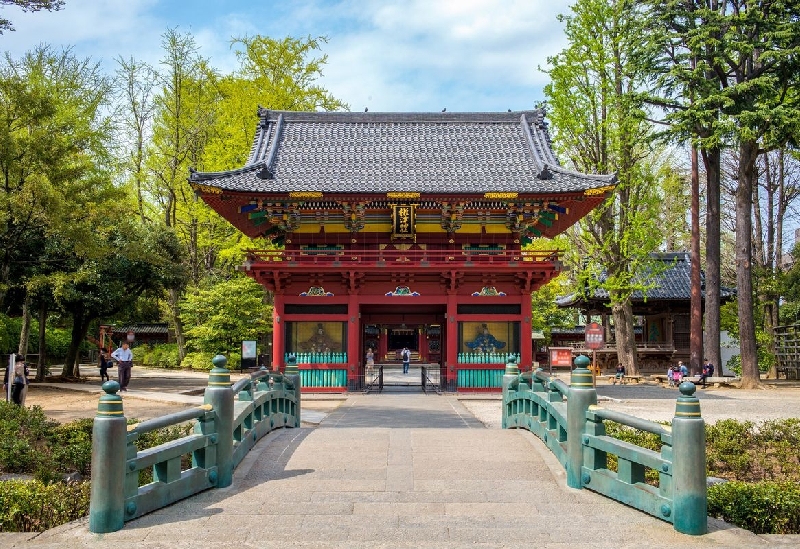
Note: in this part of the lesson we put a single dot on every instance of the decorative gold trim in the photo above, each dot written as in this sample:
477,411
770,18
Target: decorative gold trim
500,196
402,195
598,190
305,194
206,189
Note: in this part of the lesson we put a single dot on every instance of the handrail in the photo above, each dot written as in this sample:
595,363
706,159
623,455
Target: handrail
169,419
571,425
224,431
416,256
628,420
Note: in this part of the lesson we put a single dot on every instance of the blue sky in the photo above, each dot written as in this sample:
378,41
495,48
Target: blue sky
390,55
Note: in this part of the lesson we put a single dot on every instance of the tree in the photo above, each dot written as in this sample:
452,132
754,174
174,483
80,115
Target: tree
754,73
28,5
224,314
601,126
146,257
53,157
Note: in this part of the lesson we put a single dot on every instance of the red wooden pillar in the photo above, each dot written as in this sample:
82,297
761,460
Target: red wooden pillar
353,327
451,339
278,337
383,345
525,334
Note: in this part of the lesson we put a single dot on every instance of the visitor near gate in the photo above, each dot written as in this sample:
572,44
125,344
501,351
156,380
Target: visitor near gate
708,371
370,361
124,358
619,374
406,355
19,381
103,367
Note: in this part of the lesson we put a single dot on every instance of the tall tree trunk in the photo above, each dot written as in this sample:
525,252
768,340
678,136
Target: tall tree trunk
624,336
748,153
174,299
711,160
80,327
696,302
41,363
25,330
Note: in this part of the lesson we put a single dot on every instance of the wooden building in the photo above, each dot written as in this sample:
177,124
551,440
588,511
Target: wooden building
402,230
663,311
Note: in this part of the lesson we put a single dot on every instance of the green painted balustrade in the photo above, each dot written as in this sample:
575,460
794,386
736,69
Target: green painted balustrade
571,424
479,379
323,378
227,426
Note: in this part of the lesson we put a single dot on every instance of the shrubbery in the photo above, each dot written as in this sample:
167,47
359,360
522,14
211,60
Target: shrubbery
762,507
761,461
32,506
32,444
164,355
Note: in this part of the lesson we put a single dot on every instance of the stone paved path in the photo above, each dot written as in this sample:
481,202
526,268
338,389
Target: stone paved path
396,471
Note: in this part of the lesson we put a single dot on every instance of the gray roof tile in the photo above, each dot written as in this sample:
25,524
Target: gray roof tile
418,152
672,281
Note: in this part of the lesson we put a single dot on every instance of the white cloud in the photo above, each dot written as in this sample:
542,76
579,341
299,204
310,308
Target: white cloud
389,55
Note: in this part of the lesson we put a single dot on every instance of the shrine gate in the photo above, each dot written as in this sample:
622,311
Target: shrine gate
402,230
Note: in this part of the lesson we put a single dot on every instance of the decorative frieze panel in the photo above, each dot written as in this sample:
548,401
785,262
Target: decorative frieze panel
452,216
354,213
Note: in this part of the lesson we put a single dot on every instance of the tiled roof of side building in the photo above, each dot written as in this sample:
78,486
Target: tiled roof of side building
396,152
672,281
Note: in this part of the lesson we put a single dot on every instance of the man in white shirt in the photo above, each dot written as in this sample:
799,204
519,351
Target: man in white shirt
124,358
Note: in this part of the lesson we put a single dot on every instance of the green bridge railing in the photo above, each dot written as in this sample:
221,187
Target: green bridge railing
225,429
569,422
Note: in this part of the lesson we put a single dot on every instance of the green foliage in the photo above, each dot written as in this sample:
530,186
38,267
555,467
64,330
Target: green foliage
223,315
743,450
24,435
198,361
763,508
164,355
30,506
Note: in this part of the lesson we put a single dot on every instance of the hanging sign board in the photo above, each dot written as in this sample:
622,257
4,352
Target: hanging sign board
561,356
594,336
403,221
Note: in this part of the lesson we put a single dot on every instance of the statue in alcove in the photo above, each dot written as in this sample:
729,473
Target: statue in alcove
320,342
485,342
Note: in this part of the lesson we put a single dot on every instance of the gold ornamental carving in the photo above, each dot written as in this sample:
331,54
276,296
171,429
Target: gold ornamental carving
501,196
304,195
207,189
402,195
598,190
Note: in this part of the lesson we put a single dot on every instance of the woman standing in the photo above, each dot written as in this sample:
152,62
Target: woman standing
19,381
370,363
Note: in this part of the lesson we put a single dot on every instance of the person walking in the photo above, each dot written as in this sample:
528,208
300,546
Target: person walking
370,360
103,367
19,381
406,355
124,357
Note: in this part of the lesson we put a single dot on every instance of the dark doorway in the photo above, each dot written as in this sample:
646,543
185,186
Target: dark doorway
403,337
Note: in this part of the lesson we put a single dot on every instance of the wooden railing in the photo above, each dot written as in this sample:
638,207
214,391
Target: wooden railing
225,429
403,257
569,422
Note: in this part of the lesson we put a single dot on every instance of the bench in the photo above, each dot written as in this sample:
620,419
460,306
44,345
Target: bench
624,379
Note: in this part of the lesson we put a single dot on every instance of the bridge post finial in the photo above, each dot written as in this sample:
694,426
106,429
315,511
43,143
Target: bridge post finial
109,442
690,492
582,394
219,395
292,375
510,383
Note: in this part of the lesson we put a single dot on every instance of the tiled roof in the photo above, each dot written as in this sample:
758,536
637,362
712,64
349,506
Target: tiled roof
142,329
402,152
671,283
